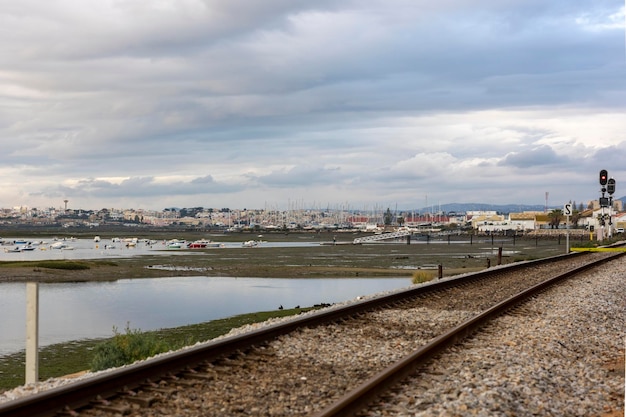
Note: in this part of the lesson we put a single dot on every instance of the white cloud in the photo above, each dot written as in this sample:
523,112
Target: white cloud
191,103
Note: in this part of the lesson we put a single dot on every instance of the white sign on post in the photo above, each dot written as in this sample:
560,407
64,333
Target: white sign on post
567,209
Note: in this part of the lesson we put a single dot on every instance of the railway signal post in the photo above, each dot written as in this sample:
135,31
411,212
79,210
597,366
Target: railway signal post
604,202
567,210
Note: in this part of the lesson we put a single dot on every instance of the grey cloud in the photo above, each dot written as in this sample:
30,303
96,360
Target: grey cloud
143,187
612,157
542,155
302,176
139,90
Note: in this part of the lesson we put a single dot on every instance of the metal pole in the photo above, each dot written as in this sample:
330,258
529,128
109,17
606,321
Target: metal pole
32,332
567,235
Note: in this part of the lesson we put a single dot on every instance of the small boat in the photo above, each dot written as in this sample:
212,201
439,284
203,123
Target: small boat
175,244
58,245
198,244
202,244
215,245
20,248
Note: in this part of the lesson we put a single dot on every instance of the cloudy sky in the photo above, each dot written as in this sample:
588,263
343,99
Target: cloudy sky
283,103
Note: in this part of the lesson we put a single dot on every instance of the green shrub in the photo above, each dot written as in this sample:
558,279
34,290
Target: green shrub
422,276
126,348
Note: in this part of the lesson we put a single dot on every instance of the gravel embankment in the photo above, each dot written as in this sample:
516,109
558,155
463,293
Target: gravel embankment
559,355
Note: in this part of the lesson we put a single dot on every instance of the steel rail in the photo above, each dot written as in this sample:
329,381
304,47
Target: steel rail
81,393
356,400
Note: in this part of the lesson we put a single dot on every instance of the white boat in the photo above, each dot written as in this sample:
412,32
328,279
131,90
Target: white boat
58,245
20,248
175,244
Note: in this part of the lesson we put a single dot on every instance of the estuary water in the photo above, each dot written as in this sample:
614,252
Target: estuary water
104,249
75,311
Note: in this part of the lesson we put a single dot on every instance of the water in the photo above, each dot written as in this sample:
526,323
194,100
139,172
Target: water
74,311
88,249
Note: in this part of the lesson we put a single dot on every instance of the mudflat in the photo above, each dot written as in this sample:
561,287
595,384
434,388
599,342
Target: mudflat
331,261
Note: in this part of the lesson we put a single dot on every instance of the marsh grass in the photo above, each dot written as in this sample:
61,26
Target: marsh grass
131,346
76,356
422,276
52,264
68,265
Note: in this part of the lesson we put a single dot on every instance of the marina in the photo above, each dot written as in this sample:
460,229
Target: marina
20,249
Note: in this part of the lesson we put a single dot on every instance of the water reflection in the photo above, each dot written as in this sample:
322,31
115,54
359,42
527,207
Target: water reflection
73,311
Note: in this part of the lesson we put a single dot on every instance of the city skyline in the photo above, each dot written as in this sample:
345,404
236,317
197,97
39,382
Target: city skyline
344,207
206,103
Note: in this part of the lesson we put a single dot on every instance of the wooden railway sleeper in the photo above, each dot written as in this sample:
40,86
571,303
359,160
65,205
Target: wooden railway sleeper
68,412
188,382
122,410
135,397
163,391
200,376
141,400
108,406
233,361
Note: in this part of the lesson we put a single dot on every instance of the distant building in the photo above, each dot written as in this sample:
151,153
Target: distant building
523,221
486,221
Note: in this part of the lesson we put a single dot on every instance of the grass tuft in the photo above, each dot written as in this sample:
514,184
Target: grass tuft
422,276
128,347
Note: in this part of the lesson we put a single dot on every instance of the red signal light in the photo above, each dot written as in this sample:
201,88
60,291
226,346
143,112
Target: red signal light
604,177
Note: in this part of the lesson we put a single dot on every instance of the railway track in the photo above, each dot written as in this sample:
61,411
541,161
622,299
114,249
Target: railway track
329,363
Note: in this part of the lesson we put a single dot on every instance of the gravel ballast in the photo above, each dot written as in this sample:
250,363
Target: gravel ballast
560,355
